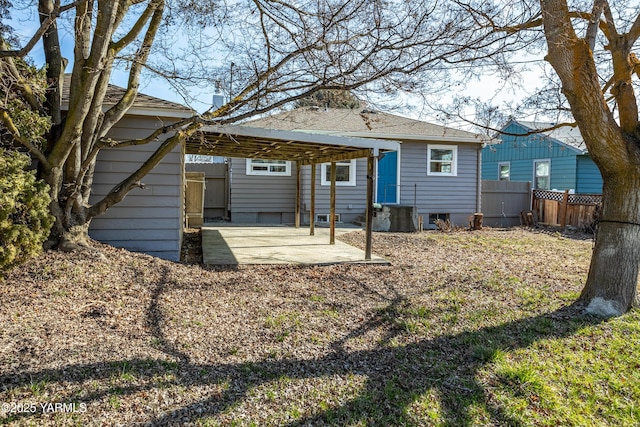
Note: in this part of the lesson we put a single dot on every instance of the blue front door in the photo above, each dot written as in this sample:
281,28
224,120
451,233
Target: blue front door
388,178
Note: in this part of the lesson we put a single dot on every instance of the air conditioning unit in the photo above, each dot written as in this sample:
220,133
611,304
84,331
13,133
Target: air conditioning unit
325,218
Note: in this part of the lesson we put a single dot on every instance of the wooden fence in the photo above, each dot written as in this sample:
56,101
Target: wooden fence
559,208
194,199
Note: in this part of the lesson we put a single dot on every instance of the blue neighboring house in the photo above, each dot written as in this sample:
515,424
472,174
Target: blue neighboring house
556,159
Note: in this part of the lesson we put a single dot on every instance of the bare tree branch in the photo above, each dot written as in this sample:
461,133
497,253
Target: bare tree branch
111,143
44,26
612,31
120,191
137,27
592,28
115,113
25,89
634,32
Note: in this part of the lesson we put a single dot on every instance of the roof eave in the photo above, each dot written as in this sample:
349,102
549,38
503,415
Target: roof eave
304,148
577,150
405,137
163,112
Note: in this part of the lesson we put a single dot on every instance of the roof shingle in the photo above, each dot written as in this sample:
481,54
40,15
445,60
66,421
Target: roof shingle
567,135
363,123
142,101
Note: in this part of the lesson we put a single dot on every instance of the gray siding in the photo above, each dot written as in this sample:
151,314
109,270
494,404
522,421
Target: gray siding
351,201
261,198
148,220
455,195
256,198
272,199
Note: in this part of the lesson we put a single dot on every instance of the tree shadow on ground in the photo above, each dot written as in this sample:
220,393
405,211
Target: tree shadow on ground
447,366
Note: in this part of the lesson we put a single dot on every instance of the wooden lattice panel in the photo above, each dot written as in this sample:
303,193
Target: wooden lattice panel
585,199
548,195
562,208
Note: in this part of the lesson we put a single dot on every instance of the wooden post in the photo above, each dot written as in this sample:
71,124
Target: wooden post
563,208
369,211
535,204
332,202
312,208
477,220
298,181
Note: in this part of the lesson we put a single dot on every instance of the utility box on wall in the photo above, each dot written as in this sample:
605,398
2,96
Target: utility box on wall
396,219
403,219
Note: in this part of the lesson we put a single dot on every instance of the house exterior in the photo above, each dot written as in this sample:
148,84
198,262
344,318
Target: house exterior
556,159
436,171
148,220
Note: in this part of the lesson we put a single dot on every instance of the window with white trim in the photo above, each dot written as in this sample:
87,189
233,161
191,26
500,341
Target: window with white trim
442,160
345,173
504,171
268,167
433,217
542,174
326,217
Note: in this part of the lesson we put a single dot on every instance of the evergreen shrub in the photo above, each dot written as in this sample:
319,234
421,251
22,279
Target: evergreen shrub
25,221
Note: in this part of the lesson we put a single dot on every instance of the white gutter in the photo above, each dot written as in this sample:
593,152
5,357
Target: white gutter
160,112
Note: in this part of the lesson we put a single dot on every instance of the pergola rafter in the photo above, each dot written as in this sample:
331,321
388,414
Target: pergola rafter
303,148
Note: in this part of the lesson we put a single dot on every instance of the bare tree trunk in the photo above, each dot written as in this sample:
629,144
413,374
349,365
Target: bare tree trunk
612,282
71,228
611,286
75,238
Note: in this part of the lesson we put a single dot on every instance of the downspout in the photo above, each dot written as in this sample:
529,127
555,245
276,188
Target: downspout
229,182
183,195
479,179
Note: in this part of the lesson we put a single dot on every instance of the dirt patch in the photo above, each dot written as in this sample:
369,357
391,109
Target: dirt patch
191,246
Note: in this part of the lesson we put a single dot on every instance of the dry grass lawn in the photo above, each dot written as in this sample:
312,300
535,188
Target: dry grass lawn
452,333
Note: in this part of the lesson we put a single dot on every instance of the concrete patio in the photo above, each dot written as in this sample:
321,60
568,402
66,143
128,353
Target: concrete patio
238,245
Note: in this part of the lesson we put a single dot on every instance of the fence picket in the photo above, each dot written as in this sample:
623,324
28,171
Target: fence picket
561,208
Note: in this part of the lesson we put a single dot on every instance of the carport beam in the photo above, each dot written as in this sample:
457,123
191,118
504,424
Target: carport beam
369,222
